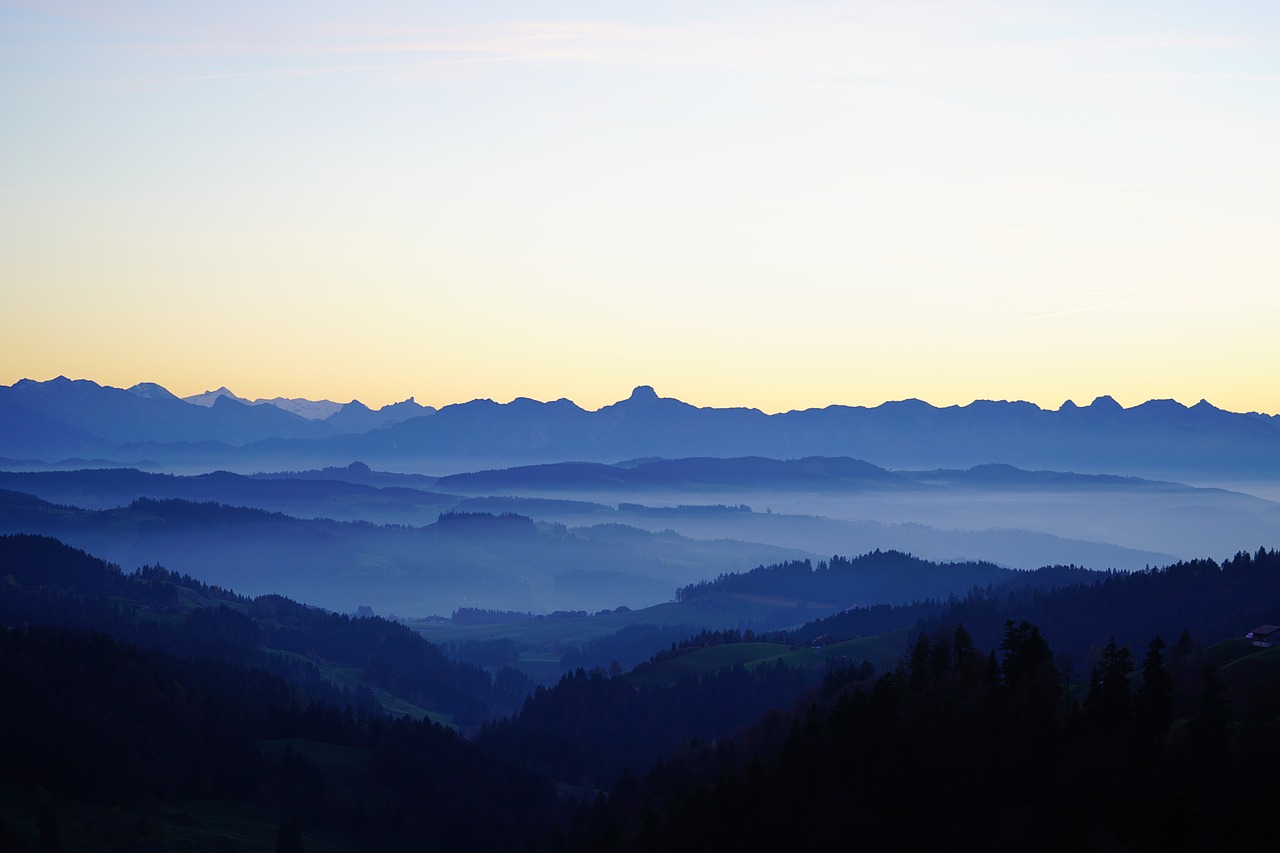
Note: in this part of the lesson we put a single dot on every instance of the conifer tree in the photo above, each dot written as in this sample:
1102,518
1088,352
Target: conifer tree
1154,712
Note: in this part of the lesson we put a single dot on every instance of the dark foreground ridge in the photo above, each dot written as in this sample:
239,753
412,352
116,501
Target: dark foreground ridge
160,713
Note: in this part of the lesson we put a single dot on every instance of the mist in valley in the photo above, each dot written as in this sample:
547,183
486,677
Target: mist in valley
539,541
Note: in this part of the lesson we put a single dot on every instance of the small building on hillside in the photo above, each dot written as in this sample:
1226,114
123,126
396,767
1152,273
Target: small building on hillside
1265,636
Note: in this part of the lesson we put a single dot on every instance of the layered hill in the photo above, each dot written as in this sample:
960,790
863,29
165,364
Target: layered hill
461,559
815,506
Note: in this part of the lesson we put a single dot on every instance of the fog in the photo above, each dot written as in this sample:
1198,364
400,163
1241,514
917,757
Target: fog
1102,528
371,539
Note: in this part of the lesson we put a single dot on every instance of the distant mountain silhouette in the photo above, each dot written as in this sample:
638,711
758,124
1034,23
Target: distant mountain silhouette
27,432
208,398
1160,438
312,410
146,413
356,417
153,391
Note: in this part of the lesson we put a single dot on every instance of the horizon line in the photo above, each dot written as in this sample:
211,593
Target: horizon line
1067,404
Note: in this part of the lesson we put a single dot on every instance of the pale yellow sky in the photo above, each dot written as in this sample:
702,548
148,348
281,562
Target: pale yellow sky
740,205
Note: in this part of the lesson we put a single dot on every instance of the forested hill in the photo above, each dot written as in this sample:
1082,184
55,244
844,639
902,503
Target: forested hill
590,728
374,660
870,578
114,747
1213,601
1126,763
275,713
959,749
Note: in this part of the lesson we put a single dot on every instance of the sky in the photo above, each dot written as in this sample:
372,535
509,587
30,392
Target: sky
742,204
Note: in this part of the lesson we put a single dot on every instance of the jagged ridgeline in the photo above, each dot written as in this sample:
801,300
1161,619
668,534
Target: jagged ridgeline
64,418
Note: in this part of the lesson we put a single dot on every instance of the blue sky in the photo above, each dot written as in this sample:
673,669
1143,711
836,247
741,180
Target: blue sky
741,204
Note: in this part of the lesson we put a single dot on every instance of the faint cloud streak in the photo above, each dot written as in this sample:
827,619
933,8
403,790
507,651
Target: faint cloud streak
1076,311
337,69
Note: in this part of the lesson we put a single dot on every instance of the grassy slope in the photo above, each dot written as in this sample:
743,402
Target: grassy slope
1243,664
883,651
352,677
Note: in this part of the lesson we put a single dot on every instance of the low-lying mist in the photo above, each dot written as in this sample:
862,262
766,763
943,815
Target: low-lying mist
592,537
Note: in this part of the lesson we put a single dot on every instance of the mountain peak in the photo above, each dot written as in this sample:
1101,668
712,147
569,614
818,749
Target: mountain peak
222,401
643,393
208,398
312,410
151,391
59,380
1105,403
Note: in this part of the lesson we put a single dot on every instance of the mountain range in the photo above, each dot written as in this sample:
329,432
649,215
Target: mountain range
42,423
63,417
